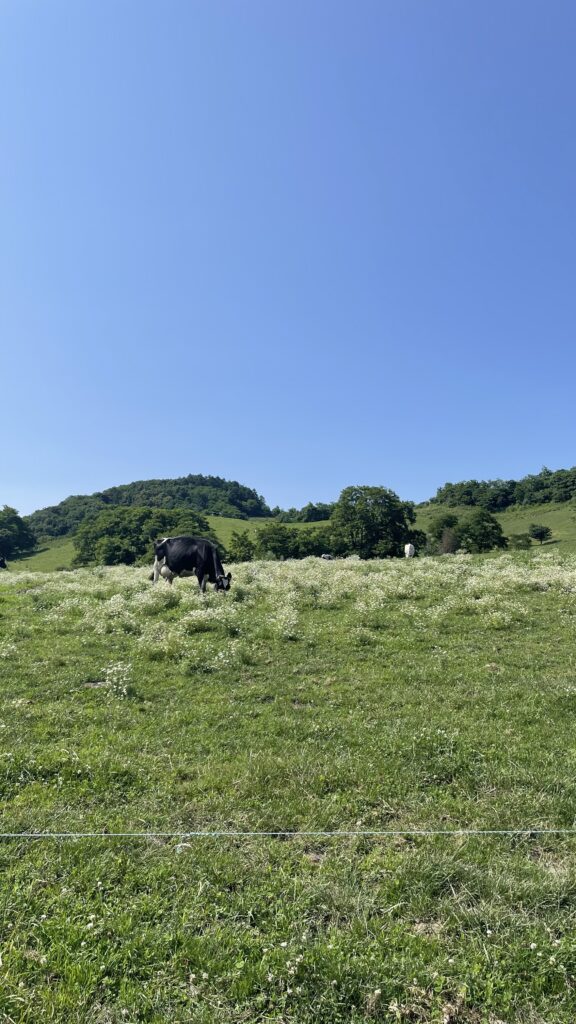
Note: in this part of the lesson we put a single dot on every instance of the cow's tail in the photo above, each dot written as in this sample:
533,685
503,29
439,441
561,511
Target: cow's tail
217,567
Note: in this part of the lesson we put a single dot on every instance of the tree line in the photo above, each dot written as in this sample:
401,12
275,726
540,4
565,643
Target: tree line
496,495
213,495
371,522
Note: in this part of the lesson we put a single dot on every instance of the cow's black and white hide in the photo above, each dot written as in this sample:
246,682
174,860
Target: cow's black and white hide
189,556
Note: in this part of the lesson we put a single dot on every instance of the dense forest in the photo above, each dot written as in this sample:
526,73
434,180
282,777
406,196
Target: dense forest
209,495
496,495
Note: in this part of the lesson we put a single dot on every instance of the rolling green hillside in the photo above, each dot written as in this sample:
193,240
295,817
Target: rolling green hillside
224,527
59,552
55,554
561,518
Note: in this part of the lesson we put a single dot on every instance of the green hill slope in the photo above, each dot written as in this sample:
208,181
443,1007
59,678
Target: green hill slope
560,517
210,495
59,552
54,554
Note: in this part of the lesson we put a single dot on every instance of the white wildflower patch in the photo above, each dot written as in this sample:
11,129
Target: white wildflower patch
285,622
274,602
118,676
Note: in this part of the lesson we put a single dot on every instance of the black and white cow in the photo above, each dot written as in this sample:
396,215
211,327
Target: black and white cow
3,562
189,556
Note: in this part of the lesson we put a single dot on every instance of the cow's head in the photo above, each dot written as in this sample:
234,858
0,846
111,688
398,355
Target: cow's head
160,548
223,582
3,562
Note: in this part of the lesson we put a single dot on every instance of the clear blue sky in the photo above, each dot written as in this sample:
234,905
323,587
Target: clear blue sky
299,244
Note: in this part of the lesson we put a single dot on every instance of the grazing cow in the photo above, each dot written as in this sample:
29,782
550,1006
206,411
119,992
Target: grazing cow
327,557
409,551
3,562
189,556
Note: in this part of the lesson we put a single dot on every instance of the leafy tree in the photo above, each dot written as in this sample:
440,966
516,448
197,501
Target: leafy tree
290,515
310,513
539,532
467,492
371,522
316,512
115,551
241,547
277,541
481,531
317,541
16,537
124,535
441,523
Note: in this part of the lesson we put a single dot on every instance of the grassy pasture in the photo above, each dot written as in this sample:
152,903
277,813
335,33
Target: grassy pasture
224,527
435,693
560,517
59,552
53,554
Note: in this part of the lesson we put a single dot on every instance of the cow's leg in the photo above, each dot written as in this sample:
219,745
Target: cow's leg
156,571
201,582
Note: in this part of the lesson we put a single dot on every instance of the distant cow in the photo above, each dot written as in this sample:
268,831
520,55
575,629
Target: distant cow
189,556
327,557
3,562
409,551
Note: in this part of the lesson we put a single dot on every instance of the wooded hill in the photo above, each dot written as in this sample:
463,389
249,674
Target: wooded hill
212,495
497,495
205,494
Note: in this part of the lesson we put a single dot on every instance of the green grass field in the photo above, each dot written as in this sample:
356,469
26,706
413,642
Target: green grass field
224,527
561,518
54,554
59,552
432,694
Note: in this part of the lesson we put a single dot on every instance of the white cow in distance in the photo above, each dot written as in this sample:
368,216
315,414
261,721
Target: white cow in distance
409,551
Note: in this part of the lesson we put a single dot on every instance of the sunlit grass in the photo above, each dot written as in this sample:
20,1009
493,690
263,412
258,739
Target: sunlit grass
433,693
560,517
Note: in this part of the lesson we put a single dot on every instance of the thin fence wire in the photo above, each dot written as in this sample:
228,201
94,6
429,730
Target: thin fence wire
312,833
